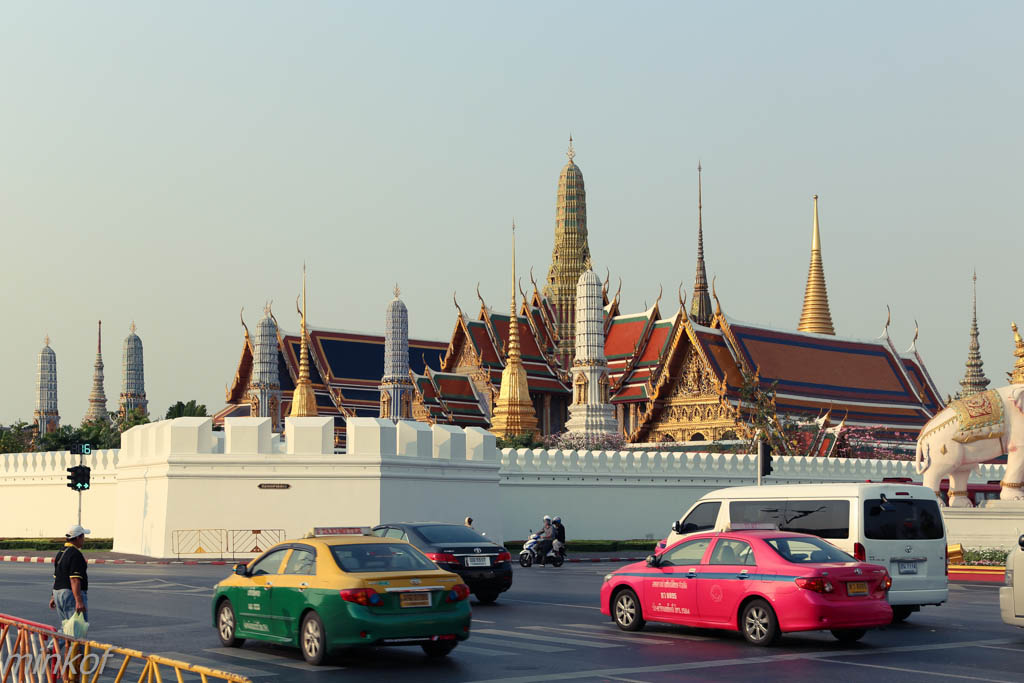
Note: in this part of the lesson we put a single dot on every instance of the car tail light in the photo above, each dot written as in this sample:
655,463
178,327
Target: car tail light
859,552
459,591
361,596
443,558
504,556
818,584
886,582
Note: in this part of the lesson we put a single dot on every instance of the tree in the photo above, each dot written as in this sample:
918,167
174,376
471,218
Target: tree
190,409
17,438
99,434
518,441
60,440
125,422
759,412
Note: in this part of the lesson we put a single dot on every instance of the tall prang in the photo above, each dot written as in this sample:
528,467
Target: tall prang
133,379
816,316
303,398
47,418
974,381
395,386
514,414
700,311
570,256
264,391
591,412
97,396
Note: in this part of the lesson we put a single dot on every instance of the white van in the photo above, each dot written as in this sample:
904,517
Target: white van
1011,596
898,526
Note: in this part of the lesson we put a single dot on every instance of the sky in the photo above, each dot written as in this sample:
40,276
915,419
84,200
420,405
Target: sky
171,163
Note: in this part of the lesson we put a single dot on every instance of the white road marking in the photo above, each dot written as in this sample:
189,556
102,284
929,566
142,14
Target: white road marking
651,634
484,651
919,671
636,640
270,659
549,604
551,639
483,621
739,661
523,646
1008,649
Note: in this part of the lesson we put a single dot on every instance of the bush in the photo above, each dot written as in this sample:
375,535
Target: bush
52,544
985,557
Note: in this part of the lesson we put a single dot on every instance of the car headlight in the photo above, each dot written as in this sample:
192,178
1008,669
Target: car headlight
608,577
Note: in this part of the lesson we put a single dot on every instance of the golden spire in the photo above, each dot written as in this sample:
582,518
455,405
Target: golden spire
303,399
816,316
513,413
701,307
1017,376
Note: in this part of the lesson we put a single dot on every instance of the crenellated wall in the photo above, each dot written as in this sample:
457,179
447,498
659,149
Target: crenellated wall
638,494
37,503
179,474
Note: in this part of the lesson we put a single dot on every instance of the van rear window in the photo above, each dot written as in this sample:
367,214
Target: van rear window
822,518
906,519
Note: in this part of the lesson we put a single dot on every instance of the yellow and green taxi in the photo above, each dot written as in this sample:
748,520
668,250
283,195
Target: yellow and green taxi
341,589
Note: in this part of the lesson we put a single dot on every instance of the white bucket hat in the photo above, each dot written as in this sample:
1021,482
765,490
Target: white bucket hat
76,530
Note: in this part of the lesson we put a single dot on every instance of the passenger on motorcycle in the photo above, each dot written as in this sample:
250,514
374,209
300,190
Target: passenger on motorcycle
547,539
559,528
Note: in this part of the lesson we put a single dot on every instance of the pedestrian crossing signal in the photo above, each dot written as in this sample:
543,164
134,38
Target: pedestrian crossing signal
78,478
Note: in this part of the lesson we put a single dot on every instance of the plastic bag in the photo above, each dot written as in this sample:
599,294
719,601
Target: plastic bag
76,626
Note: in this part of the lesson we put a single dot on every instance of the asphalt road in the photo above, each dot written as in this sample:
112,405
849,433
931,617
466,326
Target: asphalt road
547,628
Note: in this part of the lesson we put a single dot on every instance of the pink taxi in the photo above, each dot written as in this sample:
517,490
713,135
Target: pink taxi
759,582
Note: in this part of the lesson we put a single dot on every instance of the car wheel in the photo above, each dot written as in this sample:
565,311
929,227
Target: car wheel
525,559
312,640
900,613
438,650
626,611
226,625
758,623
486,597
849,635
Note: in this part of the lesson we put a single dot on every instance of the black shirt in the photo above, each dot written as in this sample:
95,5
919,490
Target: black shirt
69,563
560,533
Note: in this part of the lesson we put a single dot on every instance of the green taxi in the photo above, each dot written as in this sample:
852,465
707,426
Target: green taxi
341,589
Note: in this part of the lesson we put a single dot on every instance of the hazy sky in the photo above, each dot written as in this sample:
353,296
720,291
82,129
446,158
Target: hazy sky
169,163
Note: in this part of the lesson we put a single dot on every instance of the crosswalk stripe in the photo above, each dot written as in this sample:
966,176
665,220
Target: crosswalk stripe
675,636
523,646
270,659
215,664
647,640
484,651
550,639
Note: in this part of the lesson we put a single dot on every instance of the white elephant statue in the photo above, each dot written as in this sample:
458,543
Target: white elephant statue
970,431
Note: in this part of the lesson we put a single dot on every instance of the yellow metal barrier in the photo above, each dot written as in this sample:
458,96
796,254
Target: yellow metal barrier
35,653
955,554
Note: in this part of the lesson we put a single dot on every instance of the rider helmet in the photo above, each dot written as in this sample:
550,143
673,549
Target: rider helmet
547,518
557,520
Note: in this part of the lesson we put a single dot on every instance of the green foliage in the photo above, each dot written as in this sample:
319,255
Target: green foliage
759,412
60,440
17,438
52,544
985,557
190,409
125,422
519,441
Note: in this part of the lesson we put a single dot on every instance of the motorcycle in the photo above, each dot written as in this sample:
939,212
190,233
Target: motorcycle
528,555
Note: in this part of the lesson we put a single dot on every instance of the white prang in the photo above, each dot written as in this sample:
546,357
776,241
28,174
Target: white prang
591,412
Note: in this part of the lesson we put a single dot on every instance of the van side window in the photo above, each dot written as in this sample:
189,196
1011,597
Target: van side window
822,518
703,518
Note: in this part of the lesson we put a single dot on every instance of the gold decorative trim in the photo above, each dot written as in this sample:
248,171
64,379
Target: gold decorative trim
958,494
1012,485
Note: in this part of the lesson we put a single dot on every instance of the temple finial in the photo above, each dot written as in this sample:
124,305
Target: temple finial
131,328
397,290
572,151
46,340
816,316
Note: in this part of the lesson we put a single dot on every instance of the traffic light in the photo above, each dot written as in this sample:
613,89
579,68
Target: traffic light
765,458
78,478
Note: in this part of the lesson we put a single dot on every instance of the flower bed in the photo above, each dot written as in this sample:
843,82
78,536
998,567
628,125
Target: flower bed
985,557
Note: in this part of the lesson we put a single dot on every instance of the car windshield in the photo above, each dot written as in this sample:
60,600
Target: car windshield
380,557
450,533
807,550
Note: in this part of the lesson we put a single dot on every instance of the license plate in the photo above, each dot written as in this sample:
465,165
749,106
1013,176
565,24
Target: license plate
419,599
857,588
908,567
478,562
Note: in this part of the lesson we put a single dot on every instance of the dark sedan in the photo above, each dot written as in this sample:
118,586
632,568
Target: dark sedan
485,566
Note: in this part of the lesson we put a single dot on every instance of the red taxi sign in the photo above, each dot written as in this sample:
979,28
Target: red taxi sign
341,531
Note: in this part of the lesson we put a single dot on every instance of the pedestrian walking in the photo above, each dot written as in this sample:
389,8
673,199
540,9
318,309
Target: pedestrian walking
70,576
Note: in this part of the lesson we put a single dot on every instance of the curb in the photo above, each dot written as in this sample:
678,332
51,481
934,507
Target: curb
33,559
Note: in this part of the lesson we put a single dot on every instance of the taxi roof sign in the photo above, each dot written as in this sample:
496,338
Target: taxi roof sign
341,531
751,526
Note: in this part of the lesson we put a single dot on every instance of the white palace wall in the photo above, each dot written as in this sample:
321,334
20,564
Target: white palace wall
178,475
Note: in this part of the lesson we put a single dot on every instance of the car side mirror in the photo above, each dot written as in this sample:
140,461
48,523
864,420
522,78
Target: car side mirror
676,527
240,570
1020,541
652,561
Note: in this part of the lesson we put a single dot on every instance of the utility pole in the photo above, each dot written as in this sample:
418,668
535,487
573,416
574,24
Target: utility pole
760,457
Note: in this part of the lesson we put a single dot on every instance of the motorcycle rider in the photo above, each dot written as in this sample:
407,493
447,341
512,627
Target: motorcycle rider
546,540
559,528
